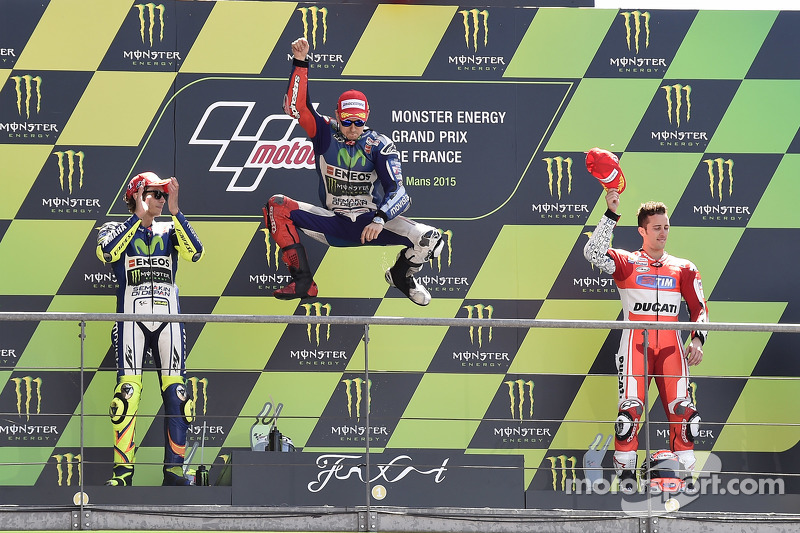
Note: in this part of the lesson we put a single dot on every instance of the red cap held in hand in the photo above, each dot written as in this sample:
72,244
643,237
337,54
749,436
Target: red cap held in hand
142,180
604,166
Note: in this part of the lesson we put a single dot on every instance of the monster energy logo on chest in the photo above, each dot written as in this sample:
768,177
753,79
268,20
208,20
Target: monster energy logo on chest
339,188
156,269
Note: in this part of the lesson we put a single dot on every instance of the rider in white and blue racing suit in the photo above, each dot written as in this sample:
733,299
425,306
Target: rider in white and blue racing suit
361,189
144,256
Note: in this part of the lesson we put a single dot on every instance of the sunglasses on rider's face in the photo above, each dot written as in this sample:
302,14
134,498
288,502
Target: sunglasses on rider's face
357,123
158,195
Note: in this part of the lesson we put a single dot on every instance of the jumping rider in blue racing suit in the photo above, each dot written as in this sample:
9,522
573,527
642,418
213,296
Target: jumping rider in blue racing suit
144,256
361,187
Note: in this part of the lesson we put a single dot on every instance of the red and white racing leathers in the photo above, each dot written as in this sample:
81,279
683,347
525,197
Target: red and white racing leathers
651,290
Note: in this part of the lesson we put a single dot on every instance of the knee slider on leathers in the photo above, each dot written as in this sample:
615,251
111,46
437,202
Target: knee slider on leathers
277,216
630,412
125,402
690,418
178,402
433,242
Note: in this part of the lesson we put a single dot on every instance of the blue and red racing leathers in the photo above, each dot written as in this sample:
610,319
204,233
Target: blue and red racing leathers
145,261
359,181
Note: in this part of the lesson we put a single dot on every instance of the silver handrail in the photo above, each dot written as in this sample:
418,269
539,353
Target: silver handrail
401,321
366,321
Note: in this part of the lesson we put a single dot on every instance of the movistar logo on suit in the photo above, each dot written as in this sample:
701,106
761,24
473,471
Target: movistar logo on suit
157,243
344,158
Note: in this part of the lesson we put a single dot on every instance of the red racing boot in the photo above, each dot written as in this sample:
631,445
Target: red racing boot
302,284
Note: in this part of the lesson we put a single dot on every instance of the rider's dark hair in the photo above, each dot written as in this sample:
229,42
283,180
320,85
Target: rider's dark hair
648,209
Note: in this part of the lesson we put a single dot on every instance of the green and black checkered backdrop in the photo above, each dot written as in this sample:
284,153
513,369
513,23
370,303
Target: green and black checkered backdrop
492,110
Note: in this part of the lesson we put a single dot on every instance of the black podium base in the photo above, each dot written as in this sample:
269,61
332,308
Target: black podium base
429,478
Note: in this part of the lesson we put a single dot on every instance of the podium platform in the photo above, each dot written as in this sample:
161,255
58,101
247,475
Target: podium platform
432,491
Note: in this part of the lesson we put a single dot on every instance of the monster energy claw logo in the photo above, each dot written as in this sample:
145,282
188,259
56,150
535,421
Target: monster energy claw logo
316,14
641,22
447,235
25,88
678,96
148,25
561,467
25,388
562,165
272,255
693,392
198,385
317,309
72,159
477,19
718,170
479,311
355,389
518,391
72,462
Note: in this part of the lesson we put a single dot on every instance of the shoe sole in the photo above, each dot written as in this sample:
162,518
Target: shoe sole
391,284
293,297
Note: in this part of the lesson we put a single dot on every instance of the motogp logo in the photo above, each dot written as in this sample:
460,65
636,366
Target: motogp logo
286,152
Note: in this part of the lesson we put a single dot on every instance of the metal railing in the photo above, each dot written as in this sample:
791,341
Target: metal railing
367,321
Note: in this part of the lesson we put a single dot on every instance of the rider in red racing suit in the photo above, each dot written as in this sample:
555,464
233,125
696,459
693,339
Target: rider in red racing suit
651,284
361,189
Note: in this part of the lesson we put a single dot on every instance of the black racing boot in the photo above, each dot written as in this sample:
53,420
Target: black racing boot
174,477
302,284
401,275
627,482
